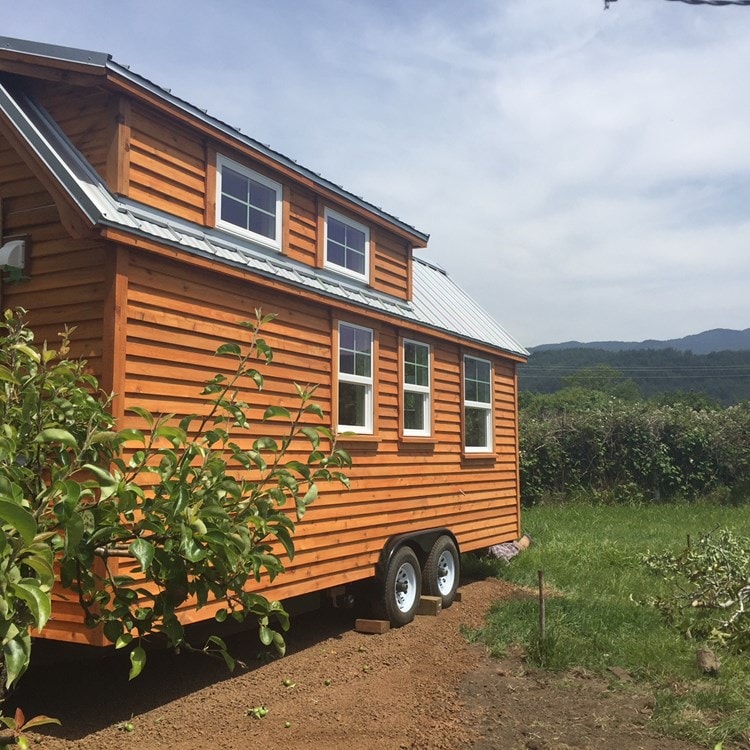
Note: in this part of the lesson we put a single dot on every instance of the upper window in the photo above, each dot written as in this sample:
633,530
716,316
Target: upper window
477,405
347,245
248,202
416,388
355,378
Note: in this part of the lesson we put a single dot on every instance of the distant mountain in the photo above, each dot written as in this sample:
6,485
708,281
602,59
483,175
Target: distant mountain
716,340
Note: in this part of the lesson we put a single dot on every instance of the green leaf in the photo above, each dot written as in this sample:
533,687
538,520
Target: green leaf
314,409
124,640
276,411
265,635
175,435
310,495
286,541
143,414
31,353
113,630
311,433
265,444
131,434
229,349
16,659
56,435
74,530
143,551
42,567
300,468
107,483
19,518
137,662
191,550
6,375
38,602
105,436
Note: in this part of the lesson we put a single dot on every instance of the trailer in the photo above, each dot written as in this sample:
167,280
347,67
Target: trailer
155,229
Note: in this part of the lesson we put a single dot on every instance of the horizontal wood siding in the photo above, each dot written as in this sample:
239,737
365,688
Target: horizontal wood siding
66,277
167,165
84,115
391,265
177,317
302,227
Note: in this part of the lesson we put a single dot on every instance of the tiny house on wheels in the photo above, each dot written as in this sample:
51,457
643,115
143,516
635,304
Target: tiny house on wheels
155,229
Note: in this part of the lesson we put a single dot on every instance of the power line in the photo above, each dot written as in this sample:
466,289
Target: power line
695,2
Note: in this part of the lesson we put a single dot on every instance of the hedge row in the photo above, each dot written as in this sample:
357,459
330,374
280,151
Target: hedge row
635,450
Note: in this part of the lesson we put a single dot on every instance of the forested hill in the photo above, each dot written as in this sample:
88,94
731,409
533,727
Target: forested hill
723,376
715,340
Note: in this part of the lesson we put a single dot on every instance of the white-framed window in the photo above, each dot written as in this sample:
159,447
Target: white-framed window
347,245
355,371
248,203
417,381
477,405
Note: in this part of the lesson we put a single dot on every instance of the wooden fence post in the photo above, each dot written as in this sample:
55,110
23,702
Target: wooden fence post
542,623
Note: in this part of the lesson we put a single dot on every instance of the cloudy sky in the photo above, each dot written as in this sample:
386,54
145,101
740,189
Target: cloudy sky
584,174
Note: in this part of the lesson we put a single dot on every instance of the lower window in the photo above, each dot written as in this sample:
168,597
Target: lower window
416,388
355,403
477,405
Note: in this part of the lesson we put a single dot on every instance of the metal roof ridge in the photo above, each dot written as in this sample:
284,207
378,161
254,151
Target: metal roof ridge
55,51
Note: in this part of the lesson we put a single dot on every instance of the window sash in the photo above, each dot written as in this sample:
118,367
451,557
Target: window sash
346,245
248,203
355,378
416,380
477,411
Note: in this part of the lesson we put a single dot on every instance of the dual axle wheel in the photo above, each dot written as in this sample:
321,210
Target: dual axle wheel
405,580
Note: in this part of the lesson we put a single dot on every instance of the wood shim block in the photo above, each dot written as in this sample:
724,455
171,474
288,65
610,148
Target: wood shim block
372,626
457,596
429,605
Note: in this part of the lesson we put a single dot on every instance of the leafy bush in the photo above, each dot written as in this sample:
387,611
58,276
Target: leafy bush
197,516
709,582
575,441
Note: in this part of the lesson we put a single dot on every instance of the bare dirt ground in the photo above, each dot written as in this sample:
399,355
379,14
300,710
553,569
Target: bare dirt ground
419,687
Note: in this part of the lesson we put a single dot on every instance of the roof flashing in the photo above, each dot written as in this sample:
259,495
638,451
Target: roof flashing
55,52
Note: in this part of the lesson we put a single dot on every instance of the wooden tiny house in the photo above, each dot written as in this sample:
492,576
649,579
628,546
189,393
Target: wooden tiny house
156,228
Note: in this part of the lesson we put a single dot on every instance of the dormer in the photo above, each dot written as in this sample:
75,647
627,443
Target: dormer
157,150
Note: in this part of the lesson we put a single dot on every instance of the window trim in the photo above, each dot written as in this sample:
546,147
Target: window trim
487,407
277,187
426,430
369,382
330,212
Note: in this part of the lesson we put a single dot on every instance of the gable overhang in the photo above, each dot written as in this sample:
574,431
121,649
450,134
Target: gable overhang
77,210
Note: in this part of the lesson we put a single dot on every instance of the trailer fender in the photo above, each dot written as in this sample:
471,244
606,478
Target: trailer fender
420,541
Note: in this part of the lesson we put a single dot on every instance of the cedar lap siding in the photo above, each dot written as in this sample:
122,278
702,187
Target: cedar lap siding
112,181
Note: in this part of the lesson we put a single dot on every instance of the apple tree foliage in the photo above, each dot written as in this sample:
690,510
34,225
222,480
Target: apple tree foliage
139,523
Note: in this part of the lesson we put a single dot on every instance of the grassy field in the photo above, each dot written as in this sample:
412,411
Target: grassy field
591,558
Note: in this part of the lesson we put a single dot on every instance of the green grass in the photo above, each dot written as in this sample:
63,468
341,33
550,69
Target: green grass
591,558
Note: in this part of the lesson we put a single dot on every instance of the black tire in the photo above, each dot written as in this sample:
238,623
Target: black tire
397,598
442,571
